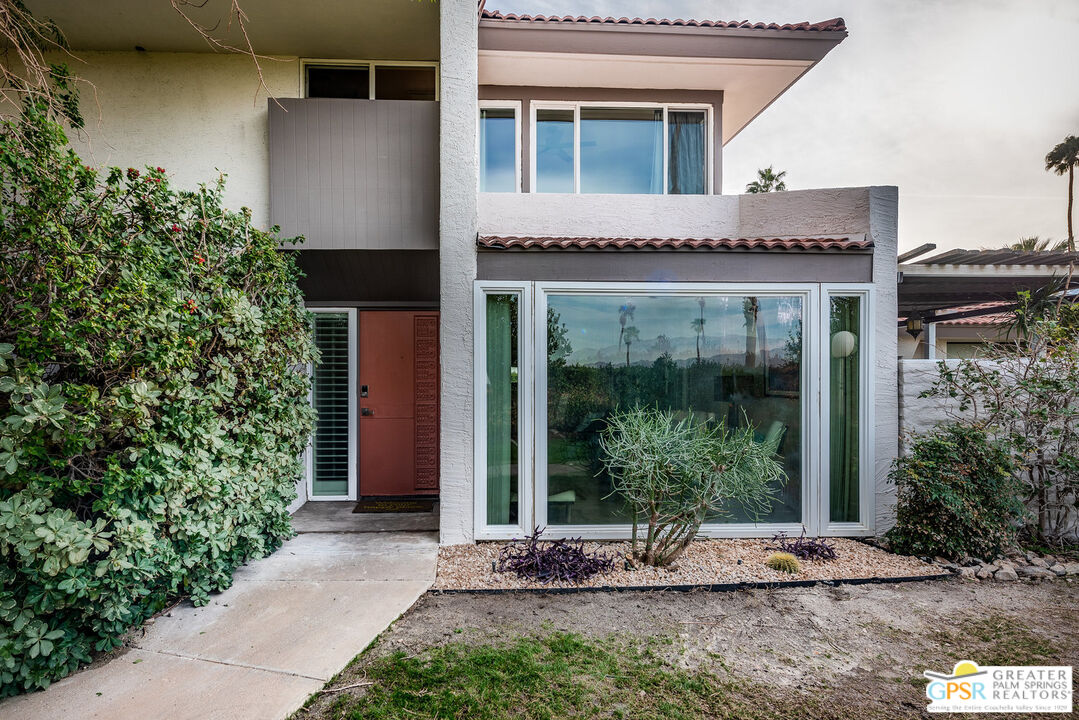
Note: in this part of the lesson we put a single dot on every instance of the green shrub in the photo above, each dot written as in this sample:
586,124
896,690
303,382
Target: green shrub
784,562
957,495
151,409
674,474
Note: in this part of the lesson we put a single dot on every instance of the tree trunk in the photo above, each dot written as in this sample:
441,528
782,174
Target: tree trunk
1071,199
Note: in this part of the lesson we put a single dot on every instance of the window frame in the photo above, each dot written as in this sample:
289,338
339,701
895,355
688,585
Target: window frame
532,425
306,63
576,105
525,422
353,413
866,418
514,105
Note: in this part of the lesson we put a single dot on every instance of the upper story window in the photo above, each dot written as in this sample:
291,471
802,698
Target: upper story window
620,148
499,147
372,80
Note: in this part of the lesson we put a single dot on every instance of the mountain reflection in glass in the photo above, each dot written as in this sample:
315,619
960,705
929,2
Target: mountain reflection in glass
719,358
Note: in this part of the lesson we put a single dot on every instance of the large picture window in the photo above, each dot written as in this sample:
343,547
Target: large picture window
620,148
786,361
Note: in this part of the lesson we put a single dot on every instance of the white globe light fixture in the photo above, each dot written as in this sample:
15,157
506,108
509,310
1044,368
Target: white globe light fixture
844,343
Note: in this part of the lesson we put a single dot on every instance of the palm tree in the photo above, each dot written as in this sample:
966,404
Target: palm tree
698,327
629,336
1034,243
768,181
625,313
1063,159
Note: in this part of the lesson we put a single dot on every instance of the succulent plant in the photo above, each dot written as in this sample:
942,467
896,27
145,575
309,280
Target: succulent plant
784,562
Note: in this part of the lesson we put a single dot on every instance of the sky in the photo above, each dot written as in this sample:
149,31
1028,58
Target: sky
954,101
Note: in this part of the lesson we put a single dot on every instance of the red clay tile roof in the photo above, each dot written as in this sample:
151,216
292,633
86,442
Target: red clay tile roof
858,242
835,24
990,319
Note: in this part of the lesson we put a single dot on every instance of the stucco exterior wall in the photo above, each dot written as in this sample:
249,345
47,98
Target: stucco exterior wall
195,114
917,414
831,212
883,213
458,179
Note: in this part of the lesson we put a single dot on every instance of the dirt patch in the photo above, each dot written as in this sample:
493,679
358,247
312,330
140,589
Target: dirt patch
704,562
823,652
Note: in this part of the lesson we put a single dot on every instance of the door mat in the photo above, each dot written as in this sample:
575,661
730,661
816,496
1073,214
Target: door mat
391,505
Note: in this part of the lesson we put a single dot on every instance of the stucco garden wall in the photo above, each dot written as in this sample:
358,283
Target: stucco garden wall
195,114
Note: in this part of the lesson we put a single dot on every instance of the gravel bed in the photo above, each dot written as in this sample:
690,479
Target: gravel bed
705,562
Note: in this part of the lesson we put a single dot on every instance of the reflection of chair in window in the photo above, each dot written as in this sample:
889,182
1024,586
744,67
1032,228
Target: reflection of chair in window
558,507
777,433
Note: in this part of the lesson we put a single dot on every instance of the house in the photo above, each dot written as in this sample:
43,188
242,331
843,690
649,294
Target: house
514,225
953,303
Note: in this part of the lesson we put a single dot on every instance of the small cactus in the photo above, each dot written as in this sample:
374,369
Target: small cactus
783,562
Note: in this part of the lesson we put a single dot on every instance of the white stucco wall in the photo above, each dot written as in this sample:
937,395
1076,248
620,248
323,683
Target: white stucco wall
883,211
195,114
917,414
833,211
459,176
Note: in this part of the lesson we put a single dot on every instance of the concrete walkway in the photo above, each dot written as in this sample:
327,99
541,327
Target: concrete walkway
287,625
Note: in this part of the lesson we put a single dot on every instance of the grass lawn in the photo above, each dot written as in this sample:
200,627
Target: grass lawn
843,653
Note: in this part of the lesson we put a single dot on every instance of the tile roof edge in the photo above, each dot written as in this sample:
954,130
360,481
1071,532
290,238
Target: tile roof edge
836,24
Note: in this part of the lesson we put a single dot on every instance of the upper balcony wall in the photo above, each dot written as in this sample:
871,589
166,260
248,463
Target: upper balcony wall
799,213
355,174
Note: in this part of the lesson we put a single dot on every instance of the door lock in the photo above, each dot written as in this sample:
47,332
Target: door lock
363,391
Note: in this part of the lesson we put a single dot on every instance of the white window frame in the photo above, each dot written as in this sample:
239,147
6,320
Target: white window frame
709,150
525,408
353,402
370,65
514,105
866,419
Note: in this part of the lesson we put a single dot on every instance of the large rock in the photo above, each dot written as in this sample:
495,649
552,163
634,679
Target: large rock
1039,562
1072,568
1006,574
1034,571
1059,570
967,573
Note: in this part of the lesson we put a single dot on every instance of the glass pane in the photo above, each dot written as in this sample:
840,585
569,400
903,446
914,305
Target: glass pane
498,150
622,150
502,410
730,359
404,83
330,396
554,151
686,156
338,82
843,403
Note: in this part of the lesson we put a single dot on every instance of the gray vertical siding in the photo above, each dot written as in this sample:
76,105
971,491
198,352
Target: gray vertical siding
355,174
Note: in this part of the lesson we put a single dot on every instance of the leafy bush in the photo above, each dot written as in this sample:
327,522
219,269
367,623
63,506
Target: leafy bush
957,495
784,562
805,548
552,560
151,412
675,474
1027,393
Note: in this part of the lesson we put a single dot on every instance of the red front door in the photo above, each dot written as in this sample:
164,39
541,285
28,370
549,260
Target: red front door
398,367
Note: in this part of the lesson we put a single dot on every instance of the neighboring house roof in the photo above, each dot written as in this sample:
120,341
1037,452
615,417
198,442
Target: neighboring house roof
492,242
835,24
987,319
1003,256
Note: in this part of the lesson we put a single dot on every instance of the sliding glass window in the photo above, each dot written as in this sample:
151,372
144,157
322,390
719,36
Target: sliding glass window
844,407
625,149
502,315
555,150
498,149
720,359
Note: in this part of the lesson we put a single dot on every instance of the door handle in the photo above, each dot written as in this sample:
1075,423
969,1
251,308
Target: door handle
367,411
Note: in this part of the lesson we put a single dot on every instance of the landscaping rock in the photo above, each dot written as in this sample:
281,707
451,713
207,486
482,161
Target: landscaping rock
1038,562
1034,571
967,573
1059,570
983,573
991,568
1006,574
1072,568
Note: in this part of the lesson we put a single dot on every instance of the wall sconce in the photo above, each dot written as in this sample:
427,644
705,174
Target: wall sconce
914,326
